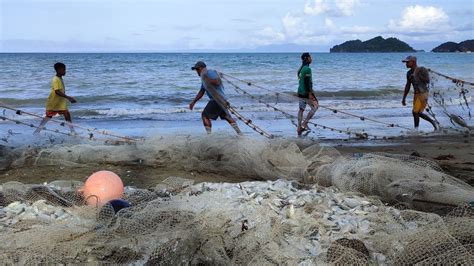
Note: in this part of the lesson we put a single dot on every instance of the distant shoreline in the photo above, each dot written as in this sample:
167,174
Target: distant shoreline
13,53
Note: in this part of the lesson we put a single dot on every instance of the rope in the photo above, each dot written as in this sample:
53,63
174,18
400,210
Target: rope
50,130
445,111
223,103
440,94
249,123
90,130
89,137
457,81
362,118
242,91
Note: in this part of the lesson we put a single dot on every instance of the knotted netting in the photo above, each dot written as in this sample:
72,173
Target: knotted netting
245,223
452,100
328,208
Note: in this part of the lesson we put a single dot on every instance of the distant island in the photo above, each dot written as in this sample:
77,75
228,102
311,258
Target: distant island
452,47
375,45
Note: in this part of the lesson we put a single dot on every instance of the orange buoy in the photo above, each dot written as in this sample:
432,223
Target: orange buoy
102,187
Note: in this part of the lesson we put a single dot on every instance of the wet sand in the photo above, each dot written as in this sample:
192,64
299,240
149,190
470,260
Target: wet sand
132,175
455,154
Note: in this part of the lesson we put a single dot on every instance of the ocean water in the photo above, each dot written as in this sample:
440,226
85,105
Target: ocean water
147,94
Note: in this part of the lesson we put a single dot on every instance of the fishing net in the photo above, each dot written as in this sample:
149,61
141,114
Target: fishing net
219,154
278,222
395,178
450,106
328,209
451,101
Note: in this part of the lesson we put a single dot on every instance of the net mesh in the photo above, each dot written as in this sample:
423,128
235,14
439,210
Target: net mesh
223,154
451,101
395,178
329,209
246,223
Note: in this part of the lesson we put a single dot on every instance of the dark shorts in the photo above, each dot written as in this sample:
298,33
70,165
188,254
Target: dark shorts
213,111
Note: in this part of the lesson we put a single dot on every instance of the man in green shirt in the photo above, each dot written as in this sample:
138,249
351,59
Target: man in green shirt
305,94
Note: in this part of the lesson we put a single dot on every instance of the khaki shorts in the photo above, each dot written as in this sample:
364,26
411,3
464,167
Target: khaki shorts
420,100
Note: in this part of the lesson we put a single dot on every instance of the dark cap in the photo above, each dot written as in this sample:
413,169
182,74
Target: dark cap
409,58
199,64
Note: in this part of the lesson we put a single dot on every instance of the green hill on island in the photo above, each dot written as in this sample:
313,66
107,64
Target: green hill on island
452,47
375,45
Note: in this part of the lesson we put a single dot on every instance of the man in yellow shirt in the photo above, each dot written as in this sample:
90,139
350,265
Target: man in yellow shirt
57,100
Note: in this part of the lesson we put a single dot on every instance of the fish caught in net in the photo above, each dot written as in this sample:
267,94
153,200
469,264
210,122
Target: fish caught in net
312,205
452,98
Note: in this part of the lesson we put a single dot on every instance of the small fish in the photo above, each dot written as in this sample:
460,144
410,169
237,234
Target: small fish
458,120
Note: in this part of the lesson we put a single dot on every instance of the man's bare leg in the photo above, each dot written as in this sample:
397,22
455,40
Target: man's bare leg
42,124
416,119
427,118
67,117
300,120
207,124
314,107
309,116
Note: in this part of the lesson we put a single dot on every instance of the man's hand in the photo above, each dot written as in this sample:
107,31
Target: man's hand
403,102
191,105
72,100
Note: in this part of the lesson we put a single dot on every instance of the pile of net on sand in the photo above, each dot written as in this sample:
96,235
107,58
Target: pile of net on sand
256,222
393,178
328,208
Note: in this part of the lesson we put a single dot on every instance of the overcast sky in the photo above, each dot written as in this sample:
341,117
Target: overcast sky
189,25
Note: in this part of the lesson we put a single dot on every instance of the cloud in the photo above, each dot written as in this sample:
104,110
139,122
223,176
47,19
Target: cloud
269,35
294,25
319,7
346,7
336,8
329,25
416,23
295,29
421,19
